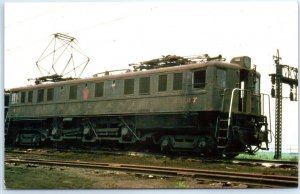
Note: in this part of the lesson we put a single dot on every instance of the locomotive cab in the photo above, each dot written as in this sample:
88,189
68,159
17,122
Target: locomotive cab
227,100
245,126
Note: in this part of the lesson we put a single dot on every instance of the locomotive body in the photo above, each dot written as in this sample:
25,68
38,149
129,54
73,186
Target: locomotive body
210,108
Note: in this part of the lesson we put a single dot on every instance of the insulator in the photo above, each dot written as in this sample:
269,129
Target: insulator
273,80
273,92
291,96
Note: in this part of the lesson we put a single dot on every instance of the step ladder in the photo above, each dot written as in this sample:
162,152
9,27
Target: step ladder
222,133
264,124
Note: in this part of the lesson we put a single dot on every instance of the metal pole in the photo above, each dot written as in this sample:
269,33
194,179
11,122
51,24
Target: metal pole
289,77
278,111
278,118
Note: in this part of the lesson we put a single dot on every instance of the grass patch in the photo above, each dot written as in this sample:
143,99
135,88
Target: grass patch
269,156
181,185
36,178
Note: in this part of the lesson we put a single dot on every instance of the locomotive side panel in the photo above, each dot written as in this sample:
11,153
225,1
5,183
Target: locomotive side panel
143,105
80,100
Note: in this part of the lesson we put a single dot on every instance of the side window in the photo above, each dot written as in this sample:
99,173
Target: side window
14,98
221,78
23,96
99,89
199,79
73,93
162,83
30,96
40,95
177,81
129,86
50,94
145,85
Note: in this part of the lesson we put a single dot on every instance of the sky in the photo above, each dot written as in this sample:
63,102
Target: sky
114,35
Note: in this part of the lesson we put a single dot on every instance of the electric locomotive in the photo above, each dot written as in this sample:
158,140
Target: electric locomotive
210,107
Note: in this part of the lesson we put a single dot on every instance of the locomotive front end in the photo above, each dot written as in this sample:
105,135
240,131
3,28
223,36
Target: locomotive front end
242,125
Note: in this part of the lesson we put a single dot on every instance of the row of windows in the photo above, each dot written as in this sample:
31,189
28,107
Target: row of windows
144,87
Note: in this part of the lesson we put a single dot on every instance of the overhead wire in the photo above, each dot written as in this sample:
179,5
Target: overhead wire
44,13
119,18
34,17
76,48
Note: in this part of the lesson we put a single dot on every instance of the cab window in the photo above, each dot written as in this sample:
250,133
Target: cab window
199,79
257,85
221,78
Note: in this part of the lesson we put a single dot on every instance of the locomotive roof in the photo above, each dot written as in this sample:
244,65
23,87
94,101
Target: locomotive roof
135,74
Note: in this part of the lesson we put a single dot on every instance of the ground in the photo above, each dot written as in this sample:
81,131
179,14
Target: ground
29,176
45,177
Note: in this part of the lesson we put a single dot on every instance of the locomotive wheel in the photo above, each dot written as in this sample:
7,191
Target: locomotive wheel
165,146
205,146
36,141
125,133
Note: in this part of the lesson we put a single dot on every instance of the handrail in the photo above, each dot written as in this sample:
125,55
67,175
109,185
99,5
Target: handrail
263,112
262,103
231,101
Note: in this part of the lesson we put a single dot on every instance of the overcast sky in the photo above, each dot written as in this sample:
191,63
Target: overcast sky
114,35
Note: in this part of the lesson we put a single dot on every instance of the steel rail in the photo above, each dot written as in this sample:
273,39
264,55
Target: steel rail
197,159
252,179
260,161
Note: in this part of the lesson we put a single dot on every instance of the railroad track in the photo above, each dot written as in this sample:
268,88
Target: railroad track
277,163
261,162
257,180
